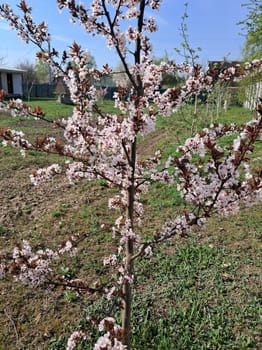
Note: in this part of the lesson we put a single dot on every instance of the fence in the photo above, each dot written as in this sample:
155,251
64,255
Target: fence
253,92
39,90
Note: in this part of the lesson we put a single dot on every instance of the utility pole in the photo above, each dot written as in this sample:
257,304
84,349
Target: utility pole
49,67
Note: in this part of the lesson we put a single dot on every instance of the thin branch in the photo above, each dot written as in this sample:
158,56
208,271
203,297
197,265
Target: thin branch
126,153
121,56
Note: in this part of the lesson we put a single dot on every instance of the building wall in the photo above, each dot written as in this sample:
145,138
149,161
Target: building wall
16,83
3,81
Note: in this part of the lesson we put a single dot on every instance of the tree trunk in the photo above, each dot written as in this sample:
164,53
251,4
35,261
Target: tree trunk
129,266
127,292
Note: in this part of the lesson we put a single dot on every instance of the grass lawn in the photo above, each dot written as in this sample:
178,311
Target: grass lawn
200,292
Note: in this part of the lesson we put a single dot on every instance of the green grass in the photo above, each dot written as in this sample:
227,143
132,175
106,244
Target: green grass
200,292
52,108
198,289
194,294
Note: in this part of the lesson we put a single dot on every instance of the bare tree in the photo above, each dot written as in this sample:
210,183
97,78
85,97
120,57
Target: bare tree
29,76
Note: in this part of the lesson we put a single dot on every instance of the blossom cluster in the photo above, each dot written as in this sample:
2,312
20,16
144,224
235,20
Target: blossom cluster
238,71
111,340
218,182
42,175
33,268
74,338
25,27
15,138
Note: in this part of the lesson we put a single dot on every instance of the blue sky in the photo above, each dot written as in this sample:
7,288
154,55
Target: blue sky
212,25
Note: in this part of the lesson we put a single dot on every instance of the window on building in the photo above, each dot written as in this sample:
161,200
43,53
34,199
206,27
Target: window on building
10,86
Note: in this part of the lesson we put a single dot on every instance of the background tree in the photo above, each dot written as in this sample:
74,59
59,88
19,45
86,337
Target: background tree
251,87
189,54
252,28
42,72
91,62
29,76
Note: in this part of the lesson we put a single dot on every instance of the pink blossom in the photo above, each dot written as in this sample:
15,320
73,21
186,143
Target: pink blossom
110,260
45,174
74,338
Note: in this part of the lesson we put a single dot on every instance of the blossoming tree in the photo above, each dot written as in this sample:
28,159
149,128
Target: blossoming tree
210,178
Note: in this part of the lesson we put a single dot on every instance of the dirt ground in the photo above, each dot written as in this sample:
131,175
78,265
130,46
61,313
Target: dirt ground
43,215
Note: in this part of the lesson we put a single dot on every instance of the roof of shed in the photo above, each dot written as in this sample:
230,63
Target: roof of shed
11,69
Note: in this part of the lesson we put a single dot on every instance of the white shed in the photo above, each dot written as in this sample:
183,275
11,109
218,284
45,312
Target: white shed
11,80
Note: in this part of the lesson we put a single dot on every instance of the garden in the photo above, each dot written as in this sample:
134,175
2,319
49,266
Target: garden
132,223
196,292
